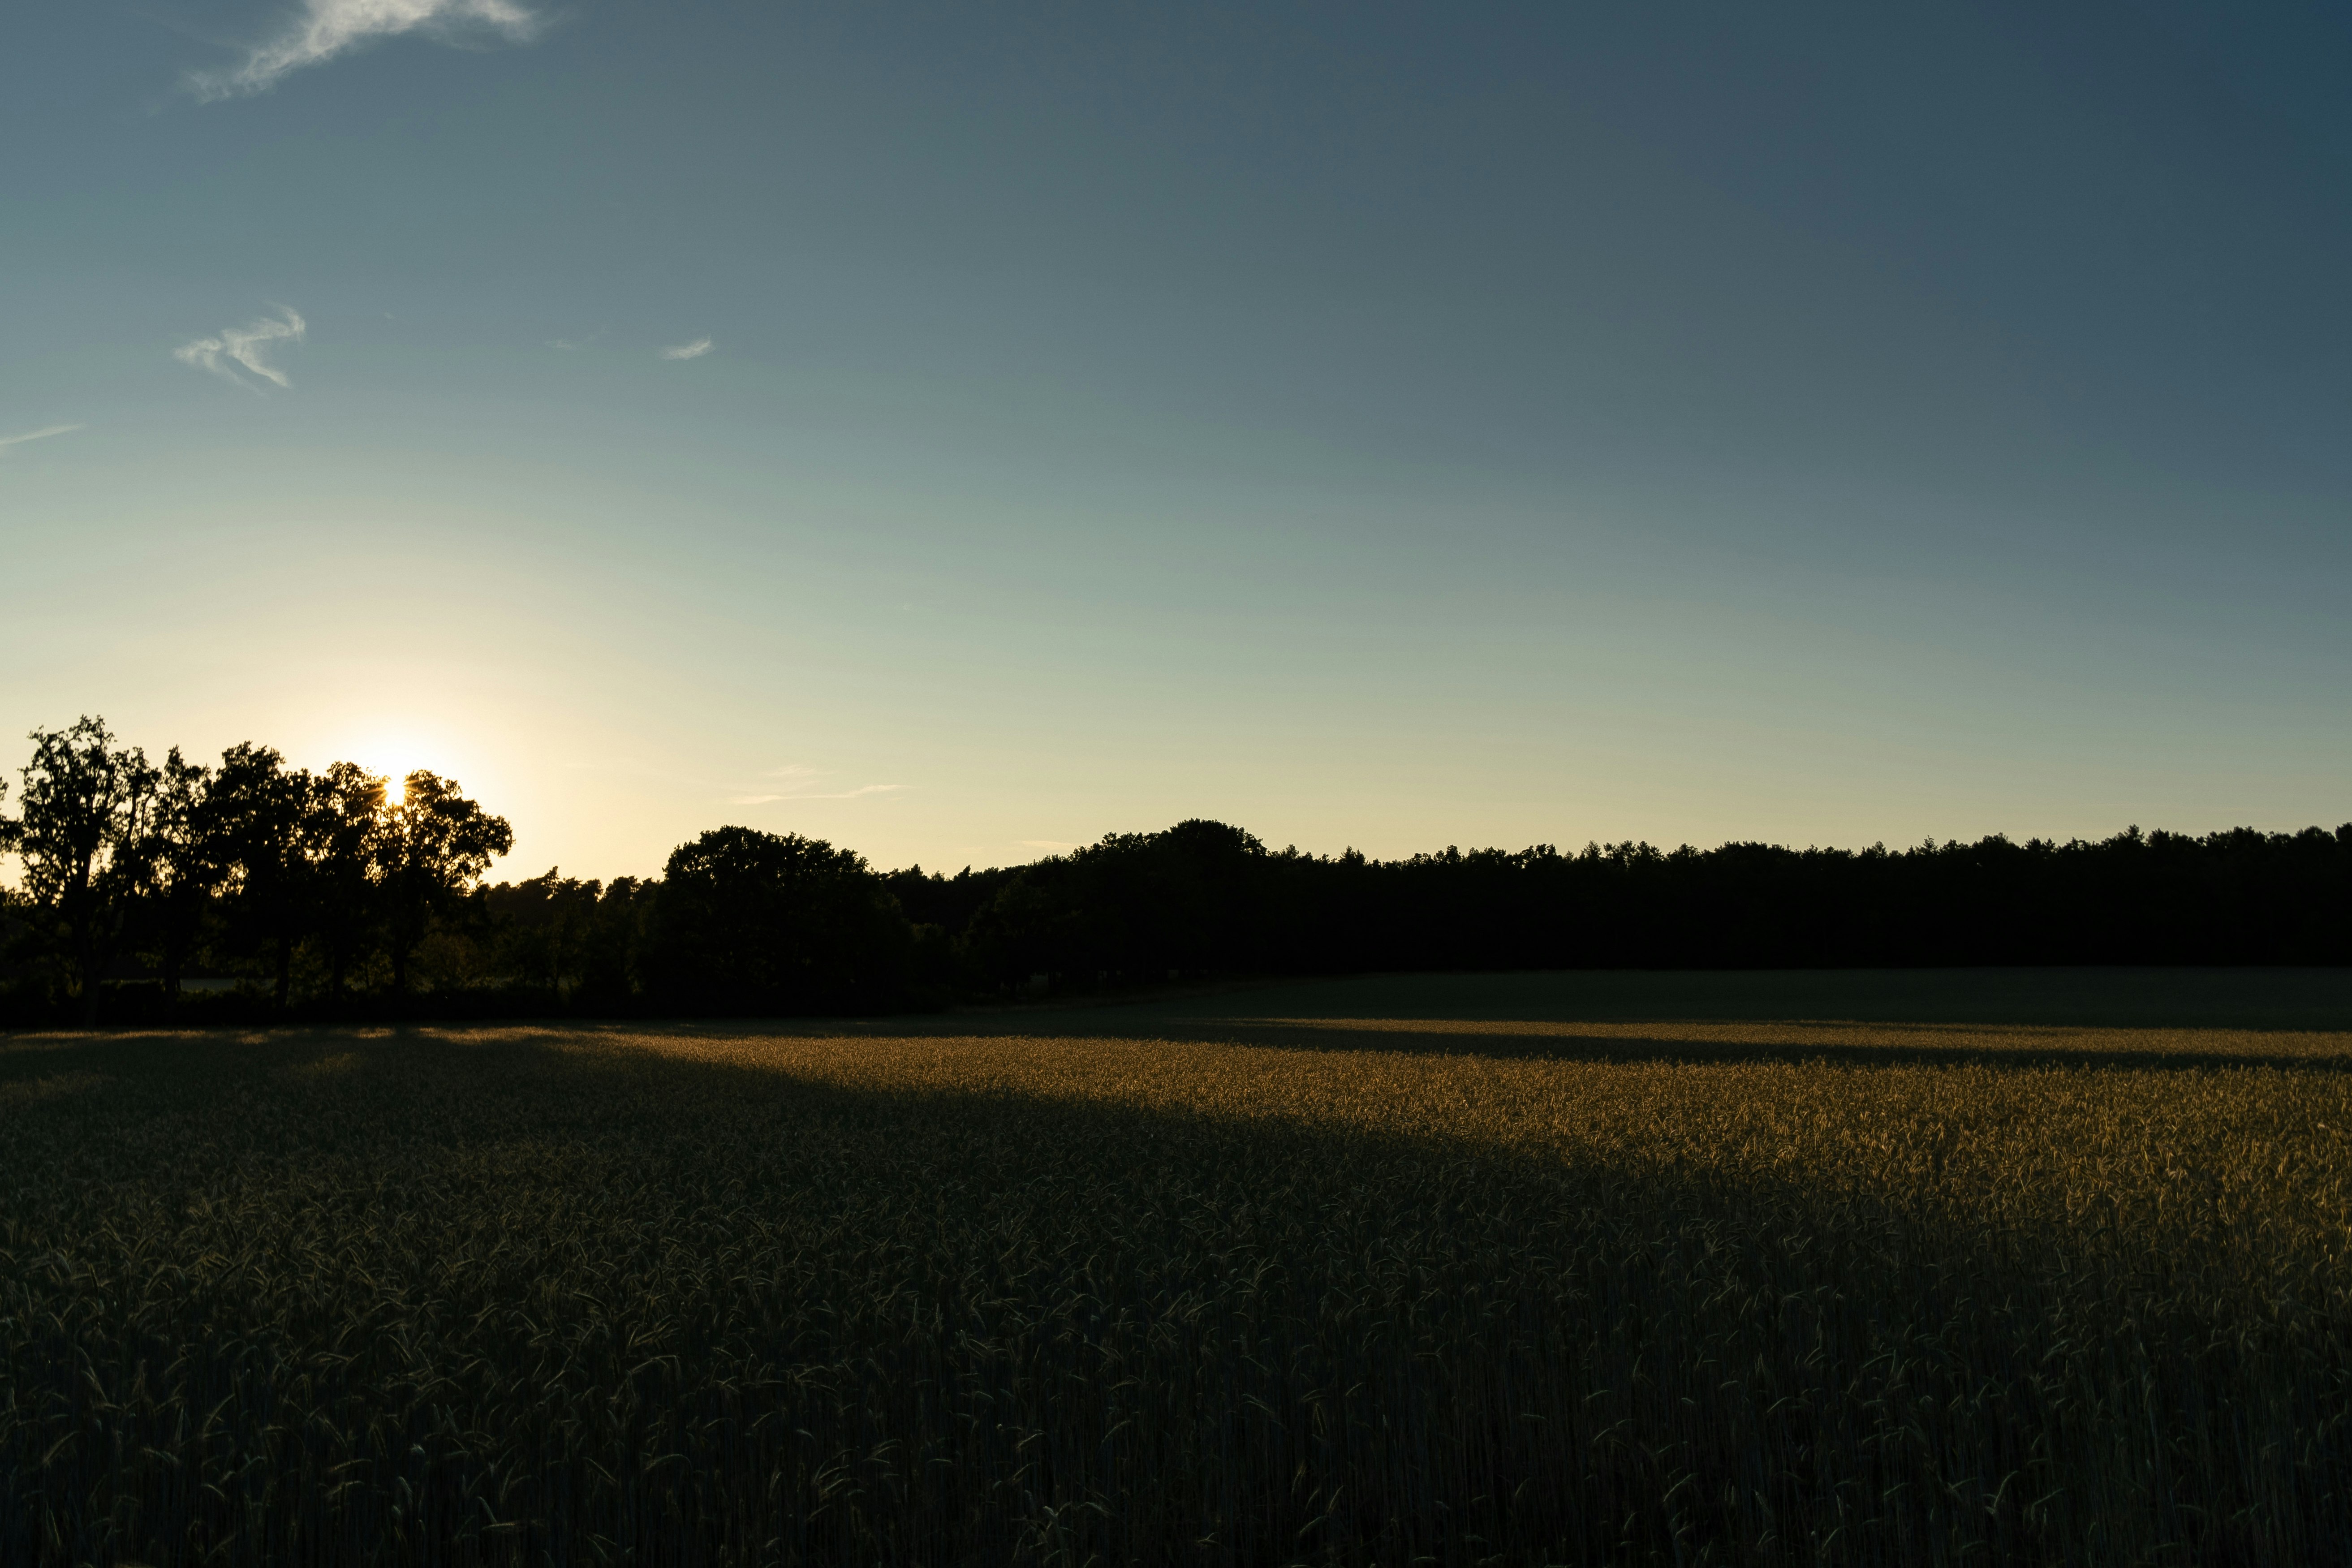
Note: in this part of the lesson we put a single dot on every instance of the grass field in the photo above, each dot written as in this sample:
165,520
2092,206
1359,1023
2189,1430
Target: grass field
1940,1267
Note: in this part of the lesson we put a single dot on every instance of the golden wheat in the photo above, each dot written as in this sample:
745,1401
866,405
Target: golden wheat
1230,1291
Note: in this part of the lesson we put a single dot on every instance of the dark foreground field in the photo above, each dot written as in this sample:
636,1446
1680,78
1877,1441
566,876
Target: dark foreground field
1947,1267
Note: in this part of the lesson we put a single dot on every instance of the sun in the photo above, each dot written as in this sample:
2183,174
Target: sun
391,758
391,746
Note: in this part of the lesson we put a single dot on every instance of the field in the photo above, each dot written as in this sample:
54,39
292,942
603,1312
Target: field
1934,1267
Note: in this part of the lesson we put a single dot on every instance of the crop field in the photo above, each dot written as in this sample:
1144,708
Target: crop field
1943,1268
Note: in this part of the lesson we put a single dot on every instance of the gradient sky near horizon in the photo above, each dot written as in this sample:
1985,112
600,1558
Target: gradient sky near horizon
961,431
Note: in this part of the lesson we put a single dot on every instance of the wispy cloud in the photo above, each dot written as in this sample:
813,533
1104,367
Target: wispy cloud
245,346
840,794
694,349
322,29
1053,843
43,434
573,345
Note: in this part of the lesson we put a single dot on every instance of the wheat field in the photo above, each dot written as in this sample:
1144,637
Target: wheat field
1239,1279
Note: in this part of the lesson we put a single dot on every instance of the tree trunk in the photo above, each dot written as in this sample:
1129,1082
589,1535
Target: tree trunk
285,971
179,936
87,960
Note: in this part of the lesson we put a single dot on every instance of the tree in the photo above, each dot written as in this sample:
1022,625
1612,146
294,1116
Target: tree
183,863
433,847
83,832
548,924
1186,901
259,807
608,946
753,922
342,835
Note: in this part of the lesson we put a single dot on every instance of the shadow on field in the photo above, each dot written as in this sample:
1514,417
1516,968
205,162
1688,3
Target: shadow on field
552,1294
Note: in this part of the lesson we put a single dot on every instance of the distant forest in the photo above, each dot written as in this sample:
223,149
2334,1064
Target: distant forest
248,890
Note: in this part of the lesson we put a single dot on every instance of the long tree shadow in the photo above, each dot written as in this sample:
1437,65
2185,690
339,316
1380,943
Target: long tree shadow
1838,1042
503,1293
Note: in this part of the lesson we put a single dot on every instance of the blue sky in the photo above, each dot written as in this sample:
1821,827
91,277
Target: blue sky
961,431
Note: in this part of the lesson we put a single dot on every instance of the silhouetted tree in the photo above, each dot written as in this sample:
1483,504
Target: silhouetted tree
608,947
259,809
83,830
1136,907
753,921
342,834
433,847
11,929
184,866
547,925
949,902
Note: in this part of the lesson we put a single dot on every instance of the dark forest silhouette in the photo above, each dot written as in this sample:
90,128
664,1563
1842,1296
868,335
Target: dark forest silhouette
288,893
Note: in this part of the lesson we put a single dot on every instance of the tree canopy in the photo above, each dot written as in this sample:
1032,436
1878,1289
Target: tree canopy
84,829
431,849
768,921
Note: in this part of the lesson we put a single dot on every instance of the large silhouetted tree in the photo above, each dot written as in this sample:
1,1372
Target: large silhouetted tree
1136,907
82,828
259,807
433,847
343,838
184,866
753,921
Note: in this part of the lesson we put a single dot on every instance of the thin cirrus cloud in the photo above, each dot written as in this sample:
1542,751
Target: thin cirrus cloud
244,346
323,29
43,434
694,349
840,794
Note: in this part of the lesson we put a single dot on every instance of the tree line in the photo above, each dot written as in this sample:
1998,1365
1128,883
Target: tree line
329,894
1202,898
248,862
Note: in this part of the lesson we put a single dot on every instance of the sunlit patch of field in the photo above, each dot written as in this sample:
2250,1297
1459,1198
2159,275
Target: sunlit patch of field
1237,1279
1828,1039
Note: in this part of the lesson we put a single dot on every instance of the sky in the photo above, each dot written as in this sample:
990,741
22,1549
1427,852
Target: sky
959,432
